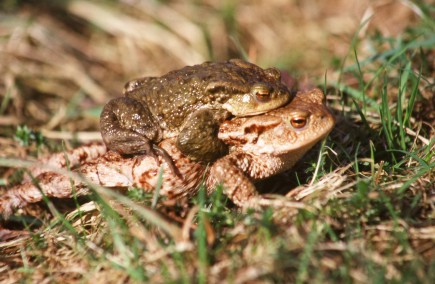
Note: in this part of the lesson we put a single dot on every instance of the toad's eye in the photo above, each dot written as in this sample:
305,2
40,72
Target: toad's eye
298,122
261,92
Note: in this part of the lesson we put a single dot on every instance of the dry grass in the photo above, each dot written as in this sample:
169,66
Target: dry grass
366,214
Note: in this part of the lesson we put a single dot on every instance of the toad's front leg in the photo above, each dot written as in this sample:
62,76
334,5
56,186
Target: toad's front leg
237,172
198,139
233,172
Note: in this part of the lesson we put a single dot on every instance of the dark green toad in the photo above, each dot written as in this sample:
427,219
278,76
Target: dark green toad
190,103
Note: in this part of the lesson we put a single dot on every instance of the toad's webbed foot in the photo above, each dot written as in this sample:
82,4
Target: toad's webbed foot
167,158
129,128
199,137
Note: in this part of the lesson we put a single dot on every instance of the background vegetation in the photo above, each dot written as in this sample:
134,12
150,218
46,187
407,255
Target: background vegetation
367,199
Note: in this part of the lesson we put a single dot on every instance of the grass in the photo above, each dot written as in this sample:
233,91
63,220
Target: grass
367,194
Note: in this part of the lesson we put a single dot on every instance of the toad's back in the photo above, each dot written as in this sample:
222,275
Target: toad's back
174,96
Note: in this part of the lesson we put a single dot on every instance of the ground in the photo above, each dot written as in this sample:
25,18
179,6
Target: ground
365,196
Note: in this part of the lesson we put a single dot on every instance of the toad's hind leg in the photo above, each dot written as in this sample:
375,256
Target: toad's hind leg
199,137
130,128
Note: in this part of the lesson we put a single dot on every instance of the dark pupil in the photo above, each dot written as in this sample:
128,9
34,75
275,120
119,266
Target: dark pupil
299,121
262,95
